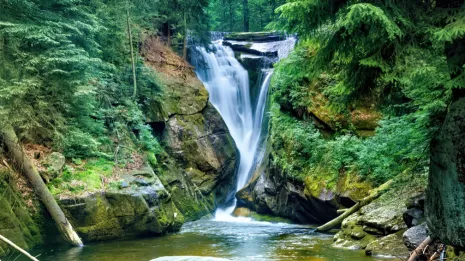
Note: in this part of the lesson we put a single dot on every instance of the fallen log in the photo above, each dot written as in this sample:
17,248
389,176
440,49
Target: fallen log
419,250
365,201
17,152
22,251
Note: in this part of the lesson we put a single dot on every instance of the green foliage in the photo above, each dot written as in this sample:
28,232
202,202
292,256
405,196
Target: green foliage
87,177
66,77
391,54
228,15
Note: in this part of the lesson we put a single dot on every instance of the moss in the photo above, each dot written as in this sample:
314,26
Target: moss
86,177
16,221
454,254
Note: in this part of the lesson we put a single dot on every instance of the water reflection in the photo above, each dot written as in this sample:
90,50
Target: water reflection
256,241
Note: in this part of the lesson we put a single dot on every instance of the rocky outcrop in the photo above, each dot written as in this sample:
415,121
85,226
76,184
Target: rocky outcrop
270,192
200,165
445,197
378,228
140,206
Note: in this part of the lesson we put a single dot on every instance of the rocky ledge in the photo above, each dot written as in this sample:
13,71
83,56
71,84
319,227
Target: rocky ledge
141,206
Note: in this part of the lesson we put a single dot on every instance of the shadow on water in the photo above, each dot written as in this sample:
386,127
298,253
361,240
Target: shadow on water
257,241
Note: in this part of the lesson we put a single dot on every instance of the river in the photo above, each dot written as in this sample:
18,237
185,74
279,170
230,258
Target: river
257,241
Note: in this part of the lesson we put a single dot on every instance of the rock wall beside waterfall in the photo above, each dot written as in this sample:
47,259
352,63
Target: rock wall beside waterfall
200,169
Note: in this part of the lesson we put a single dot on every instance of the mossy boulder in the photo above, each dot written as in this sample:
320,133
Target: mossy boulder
378,227
391,245
445,196
143,208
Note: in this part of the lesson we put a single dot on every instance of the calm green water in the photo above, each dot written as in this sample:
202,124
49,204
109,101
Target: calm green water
258,241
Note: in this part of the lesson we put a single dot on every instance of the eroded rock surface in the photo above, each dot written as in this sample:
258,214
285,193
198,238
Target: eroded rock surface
200,167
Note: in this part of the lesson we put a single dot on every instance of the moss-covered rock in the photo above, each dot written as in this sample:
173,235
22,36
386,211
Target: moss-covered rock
378,227
391,245
17,223
144,207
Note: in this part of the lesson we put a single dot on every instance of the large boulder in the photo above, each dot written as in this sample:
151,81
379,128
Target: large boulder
199,168
378,227
142,207
445,196
414,236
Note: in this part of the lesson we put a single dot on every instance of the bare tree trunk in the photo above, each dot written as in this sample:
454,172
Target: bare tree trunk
134,81
337,221
30,171
245,5
22,251
184,48
415,254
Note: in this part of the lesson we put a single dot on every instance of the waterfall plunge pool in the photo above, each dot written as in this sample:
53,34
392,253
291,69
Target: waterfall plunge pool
237,241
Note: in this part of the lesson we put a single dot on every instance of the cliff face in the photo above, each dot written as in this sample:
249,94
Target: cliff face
201,168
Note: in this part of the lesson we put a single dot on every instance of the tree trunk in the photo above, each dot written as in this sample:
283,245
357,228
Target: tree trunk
338,221
169,34
22,251
231,16
273,7
134,81
30,171
245,4
184,47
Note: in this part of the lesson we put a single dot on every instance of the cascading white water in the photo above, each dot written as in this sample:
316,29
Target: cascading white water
228,84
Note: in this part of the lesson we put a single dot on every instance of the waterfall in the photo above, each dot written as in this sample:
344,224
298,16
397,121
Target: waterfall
228,84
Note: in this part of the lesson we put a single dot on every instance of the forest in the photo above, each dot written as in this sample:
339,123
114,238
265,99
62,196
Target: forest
325,129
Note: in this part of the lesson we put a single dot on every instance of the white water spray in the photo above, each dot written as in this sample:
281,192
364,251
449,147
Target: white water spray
228,84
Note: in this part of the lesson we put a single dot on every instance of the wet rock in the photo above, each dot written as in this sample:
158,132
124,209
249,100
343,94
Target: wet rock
390,245
255,36
189,258
269,193
415,235
247,48
445,195
241,212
